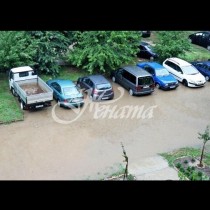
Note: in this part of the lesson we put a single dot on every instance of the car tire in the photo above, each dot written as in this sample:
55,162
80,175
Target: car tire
22,105
13,92
208,47
78,85
157,86
113,79
59,103
131,92
207,78
185,83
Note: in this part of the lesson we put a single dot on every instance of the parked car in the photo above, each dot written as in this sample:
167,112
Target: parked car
98,87
203,67
135,79
184,72
66,93
163,79
146,51
201,38
145,34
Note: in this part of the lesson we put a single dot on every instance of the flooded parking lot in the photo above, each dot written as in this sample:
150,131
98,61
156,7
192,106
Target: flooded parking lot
70,145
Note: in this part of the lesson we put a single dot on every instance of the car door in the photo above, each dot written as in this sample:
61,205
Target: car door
119,75
171,67
83,83
56,91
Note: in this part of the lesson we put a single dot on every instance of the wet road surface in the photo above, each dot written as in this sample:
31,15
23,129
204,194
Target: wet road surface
41,148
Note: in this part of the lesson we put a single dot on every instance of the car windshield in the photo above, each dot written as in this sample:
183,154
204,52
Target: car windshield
190,70
162,72
70,91
103,86
145,80
149,47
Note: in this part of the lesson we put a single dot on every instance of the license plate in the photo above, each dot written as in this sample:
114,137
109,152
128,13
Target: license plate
39,106
172,86
146,86
105,97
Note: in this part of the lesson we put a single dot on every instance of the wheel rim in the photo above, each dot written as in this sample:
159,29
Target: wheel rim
151,58
59,103
130,92
113,79
157,86
207,78
21,105
208,47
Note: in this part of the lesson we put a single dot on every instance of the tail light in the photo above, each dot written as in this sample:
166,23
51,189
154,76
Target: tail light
138,88
65,101
152,85
95,91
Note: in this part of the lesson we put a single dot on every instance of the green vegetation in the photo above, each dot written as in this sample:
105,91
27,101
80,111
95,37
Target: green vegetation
171,44
205,137
9,105
17,48
193,152
119,174
50,47
184,169
102,51
66,73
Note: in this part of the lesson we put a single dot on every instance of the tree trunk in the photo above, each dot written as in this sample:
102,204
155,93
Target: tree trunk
201,159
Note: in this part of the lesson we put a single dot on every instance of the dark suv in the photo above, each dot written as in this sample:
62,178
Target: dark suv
135,79
97,86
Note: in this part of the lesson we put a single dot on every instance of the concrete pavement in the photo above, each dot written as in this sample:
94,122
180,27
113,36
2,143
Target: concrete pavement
153,168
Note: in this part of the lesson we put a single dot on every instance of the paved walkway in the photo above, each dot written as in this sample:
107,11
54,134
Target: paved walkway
153,168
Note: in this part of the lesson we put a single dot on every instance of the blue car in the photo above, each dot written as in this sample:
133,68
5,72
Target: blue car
66,93
203,67
163,79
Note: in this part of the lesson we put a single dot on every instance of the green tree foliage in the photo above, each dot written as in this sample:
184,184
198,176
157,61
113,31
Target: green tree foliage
171,44
16,49
104,50
51,47
204,137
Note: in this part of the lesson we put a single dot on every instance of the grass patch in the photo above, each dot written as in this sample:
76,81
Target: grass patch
70,73
196,53
9,106
188,151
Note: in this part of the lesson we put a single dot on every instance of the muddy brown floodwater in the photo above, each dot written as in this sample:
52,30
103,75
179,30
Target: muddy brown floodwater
41,148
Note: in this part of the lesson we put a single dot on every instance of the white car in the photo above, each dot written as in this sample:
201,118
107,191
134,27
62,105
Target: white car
184,72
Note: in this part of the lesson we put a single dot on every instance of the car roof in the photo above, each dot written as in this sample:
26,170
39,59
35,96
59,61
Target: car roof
179,61
21,69
204,62
136,70
98,79
144,43
64,82
153,65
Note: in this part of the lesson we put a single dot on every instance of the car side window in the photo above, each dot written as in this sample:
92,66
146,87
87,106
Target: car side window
170,64
141,47
56,86
90,83
149,69
178,69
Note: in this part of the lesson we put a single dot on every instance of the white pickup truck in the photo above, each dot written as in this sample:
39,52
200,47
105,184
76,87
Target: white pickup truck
31,90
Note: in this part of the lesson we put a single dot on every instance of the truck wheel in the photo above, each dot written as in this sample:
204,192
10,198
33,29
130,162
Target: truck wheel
13,92
22,105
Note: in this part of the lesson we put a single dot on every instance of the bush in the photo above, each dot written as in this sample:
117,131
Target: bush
178,165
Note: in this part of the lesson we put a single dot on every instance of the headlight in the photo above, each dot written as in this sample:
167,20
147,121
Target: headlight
176,83
166,85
